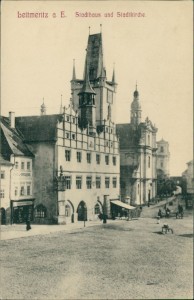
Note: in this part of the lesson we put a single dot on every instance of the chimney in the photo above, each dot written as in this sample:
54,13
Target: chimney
12,119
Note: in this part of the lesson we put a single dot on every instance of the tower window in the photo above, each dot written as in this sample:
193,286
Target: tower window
161,149
67,155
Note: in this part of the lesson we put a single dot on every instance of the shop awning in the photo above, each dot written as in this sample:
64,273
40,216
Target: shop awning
122,204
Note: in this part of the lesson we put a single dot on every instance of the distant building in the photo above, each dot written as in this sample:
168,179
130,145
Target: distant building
163,158
188,176
138,156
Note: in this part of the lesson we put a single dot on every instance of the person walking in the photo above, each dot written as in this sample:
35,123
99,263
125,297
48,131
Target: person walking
28,226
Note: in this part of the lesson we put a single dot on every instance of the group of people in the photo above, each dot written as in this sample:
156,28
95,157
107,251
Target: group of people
167,211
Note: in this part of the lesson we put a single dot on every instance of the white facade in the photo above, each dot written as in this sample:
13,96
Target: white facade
91,166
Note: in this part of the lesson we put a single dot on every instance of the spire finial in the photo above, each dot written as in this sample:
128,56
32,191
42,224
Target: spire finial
89,30
61,107
136,85
43,109
113,75
100,28
74,75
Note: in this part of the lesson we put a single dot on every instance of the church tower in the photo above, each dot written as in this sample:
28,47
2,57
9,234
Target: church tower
135,109
105,90
87,109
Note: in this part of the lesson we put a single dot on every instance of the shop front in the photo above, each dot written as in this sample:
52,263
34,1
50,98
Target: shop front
22,210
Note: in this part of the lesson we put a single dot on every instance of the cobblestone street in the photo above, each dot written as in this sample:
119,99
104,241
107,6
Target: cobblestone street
117,260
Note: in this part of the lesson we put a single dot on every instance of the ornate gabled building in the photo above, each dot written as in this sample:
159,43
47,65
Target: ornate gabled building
137,156
76,161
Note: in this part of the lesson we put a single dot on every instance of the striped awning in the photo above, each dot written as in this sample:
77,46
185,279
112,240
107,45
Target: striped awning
122,204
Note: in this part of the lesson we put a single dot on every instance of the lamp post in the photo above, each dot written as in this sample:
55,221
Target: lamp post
60,186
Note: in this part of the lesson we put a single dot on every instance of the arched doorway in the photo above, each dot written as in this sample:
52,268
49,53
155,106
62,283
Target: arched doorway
82,211
69,212
3,216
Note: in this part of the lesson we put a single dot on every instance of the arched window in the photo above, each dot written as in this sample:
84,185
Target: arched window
40,211
97,209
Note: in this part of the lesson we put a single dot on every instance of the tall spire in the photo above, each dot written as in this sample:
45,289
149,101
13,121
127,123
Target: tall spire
136,108
74,75
113,75
86,88
43,109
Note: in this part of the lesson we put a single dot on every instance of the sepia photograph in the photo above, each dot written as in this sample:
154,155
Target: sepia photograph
96,150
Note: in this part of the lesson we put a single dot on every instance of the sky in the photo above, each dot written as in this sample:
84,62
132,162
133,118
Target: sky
156,51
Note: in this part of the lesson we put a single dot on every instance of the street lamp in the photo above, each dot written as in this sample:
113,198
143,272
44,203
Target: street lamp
60,187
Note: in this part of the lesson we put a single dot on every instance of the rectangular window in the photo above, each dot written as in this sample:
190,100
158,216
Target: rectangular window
79,156
114,161
22,165
106,159
73,120
28,190
78,182
98,159
67,155
28,165
73,136
107,182
67,135
68,182
89,158
16,191
2,194
2,174
89,182
22,191
98,182
114,182
67,118
16,164
161,164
